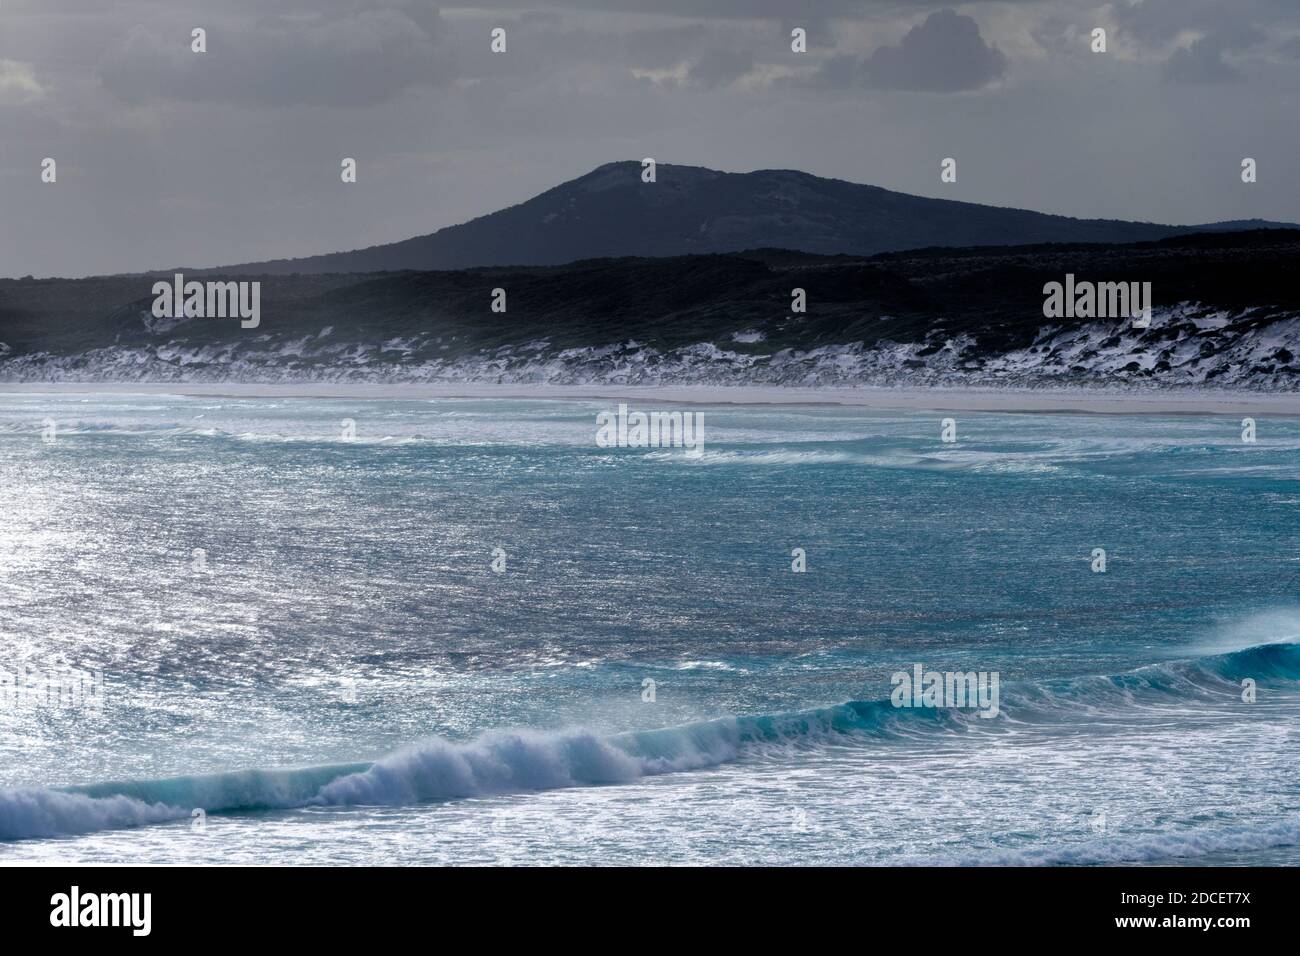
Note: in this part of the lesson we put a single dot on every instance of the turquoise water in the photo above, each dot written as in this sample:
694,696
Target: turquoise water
342,676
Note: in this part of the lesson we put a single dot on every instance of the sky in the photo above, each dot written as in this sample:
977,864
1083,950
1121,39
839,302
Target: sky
167,157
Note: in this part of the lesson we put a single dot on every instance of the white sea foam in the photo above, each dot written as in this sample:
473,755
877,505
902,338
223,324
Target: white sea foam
501,763
28,812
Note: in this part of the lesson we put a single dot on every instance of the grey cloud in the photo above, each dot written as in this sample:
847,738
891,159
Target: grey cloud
1202,62
18,82
424,14
945,54
1159,21
720,67
714,9
362,58
661,47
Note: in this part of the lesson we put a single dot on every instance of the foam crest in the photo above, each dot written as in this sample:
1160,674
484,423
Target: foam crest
499,763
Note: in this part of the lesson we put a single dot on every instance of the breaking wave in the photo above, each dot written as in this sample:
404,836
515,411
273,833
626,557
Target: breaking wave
522,761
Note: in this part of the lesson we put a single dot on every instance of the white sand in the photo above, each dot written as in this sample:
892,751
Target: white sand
936,399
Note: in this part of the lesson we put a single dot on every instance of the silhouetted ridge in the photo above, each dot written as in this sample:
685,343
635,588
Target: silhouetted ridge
610,212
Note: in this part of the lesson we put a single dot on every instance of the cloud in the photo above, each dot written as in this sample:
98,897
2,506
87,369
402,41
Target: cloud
1203,61
361,58
1219,29
701,9
1159,21
717,68
18,82
945,54
663,46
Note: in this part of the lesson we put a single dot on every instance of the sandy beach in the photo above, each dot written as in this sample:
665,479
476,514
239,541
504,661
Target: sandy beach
1192,402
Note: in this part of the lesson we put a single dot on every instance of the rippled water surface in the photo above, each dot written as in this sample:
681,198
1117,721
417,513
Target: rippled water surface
303,638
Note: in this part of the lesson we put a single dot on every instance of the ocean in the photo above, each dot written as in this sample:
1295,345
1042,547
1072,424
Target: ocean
460,631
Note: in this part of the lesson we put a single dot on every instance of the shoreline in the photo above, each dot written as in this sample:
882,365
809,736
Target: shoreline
866,397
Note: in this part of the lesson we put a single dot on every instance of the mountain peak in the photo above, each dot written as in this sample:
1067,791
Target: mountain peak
611,212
